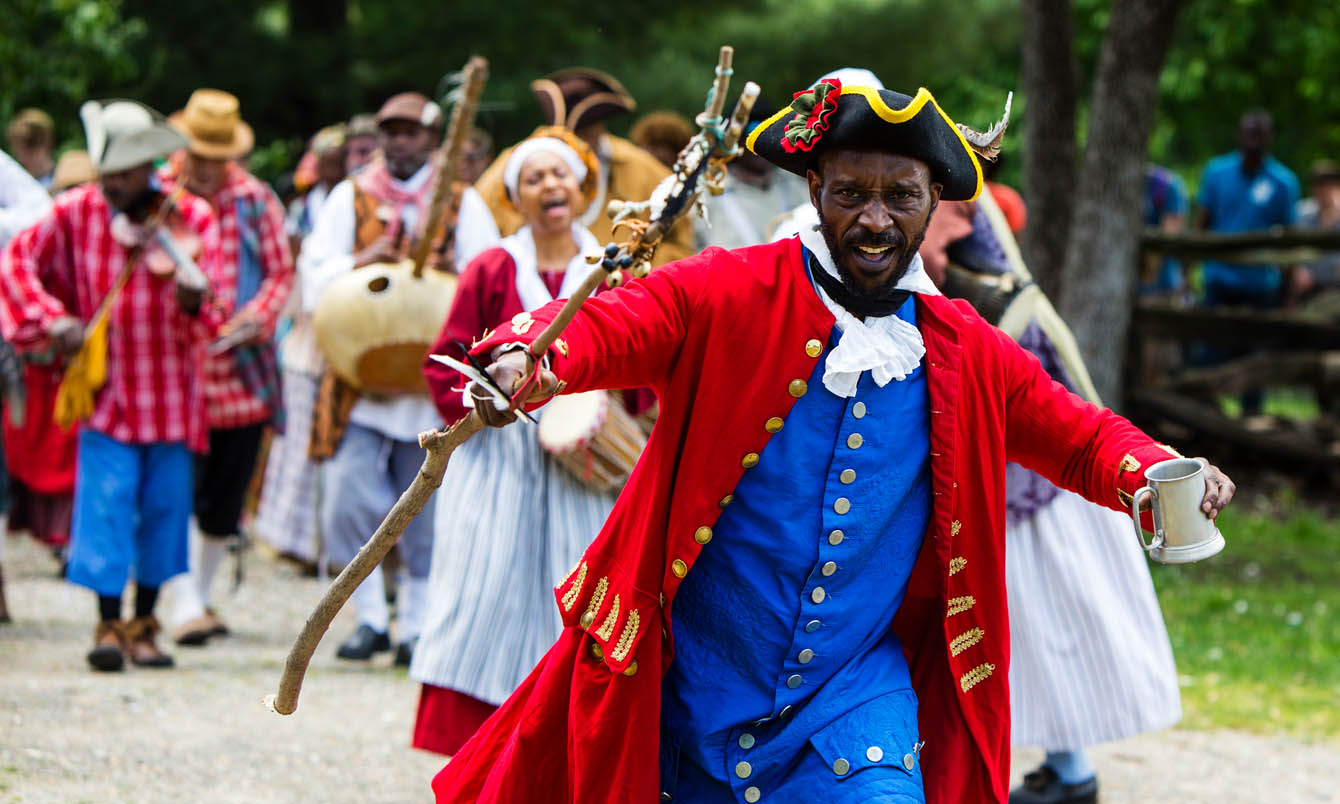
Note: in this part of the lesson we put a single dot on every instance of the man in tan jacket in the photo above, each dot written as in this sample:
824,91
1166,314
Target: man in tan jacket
582,99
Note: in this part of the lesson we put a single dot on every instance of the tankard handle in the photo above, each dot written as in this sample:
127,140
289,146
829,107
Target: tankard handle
1157,542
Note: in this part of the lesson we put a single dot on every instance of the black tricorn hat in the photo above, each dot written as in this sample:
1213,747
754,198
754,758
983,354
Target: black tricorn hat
580,96
829,116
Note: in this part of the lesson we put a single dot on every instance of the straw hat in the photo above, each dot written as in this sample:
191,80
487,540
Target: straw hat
212,123
72,169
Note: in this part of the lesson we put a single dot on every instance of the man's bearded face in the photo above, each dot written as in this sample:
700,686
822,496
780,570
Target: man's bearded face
874,208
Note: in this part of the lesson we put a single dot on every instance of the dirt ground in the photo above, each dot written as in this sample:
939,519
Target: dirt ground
200,733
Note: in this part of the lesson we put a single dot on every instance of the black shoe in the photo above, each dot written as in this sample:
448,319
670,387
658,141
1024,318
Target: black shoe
1043,786
404,653
362,643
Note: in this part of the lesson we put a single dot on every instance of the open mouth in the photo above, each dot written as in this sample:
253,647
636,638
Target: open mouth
872,259
554,206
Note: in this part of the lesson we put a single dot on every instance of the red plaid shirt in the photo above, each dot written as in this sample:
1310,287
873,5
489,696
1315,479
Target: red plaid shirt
65,264
250,217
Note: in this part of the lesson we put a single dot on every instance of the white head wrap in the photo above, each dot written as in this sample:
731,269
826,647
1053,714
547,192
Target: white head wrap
855,76
535,145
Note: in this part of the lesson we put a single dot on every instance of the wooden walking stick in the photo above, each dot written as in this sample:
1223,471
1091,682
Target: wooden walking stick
449,156
701,167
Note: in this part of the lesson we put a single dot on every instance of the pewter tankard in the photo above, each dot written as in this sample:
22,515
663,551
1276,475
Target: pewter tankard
1182,532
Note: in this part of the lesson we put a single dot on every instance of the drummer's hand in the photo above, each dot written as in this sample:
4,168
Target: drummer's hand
1219,490
510,371
380,250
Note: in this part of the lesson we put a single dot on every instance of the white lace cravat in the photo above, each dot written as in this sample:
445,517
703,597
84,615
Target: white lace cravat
886,346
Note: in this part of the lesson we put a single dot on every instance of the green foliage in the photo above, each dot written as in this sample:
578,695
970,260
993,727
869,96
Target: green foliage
55,52
1255,629
300,64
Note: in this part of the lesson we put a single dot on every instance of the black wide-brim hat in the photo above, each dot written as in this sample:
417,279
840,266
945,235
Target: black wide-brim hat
829,116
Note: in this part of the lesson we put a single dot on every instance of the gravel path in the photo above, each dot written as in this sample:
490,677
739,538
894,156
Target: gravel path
199,733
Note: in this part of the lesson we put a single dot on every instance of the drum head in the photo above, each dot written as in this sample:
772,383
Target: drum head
570,420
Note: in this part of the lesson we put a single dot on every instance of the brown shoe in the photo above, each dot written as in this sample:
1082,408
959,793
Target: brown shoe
140,633
217,628
109,645
4,608
194,632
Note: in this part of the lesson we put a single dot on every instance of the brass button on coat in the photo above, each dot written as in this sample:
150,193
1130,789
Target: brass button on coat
806,656
749,461
841,766
679,568
727,500
596,651
842,505
835,538
858,410
812,626
752,794
818,594
797,388
855,441
773,425
702,535
794,681
631,669
828,568
848,476
813,348
587,618
743,769
909,761
874,753
746,741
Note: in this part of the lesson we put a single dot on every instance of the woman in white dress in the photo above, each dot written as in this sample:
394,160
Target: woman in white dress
510,521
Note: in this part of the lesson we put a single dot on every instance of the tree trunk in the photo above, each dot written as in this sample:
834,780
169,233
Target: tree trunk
1099,274
1048,80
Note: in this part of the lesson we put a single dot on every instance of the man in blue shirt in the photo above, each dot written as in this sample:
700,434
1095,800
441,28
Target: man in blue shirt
1242,191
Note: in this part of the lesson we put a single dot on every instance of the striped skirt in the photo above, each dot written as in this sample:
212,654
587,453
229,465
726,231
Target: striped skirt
286,515
1090,657
510,524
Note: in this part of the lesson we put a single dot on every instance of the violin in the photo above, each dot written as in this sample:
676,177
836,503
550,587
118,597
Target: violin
163,241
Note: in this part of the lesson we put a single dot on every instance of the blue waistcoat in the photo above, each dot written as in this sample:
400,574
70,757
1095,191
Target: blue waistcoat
788,683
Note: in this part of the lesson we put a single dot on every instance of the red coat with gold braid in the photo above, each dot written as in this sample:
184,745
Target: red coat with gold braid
726,339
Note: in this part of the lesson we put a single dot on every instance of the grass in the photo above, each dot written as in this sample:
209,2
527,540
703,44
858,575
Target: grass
1256,629
1283,402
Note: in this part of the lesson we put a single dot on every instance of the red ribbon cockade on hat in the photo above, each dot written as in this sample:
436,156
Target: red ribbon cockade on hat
813,108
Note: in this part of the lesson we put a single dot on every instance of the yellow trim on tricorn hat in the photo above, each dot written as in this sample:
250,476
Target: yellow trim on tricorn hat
830,116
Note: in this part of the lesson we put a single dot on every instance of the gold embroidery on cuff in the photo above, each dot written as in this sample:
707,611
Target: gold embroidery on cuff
1172,451
562,346
597,597
956,564
955,528
625,643
976,676
606,629
965,640
1129,463
960,604
575,591
1125,497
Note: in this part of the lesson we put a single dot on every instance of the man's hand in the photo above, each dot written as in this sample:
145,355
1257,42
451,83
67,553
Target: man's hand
380,250
1219,490
66,334
245,327
510,371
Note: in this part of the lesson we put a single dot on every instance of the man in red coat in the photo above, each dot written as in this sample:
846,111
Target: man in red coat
830,457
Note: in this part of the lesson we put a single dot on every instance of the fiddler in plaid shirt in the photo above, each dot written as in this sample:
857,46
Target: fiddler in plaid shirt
133,482
242,390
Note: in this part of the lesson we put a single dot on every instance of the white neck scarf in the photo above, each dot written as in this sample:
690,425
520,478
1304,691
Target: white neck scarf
529,286
886,346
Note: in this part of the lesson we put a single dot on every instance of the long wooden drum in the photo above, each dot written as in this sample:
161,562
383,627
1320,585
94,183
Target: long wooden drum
375,324
593,437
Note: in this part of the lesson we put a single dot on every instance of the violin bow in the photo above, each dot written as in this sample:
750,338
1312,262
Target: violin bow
698,169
